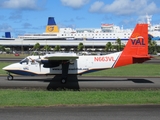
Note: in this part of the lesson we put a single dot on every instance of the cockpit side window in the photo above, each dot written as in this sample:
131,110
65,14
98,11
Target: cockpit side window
25,60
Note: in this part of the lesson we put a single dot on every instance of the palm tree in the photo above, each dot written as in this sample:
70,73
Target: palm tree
2,48
108,46
122,46
57,48
36,46
152,47
119,46
80,47
47,48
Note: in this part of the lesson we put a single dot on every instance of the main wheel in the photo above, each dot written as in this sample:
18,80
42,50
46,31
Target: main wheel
63,80
9,77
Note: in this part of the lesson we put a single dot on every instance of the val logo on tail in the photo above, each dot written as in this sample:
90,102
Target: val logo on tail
65,64
138,40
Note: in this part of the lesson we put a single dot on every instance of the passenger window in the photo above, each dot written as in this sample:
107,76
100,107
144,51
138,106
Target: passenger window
25,60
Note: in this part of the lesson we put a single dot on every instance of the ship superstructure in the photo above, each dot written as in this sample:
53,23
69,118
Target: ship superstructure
105,32
54,35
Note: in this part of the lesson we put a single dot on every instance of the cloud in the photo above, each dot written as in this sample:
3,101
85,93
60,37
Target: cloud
75,4
5,28
26,25
15,16
20,4
97,6
125,7
79,18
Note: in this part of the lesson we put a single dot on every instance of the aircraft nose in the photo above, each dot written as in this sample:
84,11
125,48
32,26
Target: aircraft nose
10,67
6,68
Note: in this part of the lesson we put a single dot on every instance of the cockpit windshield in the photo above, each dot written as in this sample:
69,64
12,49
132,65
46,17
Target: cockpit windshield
25,60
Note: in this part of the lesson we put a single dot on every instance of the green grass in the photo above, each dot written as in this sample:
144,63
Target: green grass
9,97
12,56
134,70
3,64
57,98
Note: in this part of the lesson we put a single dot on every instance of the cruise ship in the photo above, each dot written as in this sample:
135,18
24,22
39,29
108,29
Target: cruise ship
53,32
54,35
106,32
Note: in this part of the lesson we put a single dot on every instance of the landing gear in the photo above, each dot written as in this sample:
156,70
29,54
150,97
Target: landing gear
63,80
9,77
65,66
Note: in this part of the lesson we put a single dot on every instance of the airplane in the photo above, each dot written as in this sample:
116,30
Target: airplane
65,64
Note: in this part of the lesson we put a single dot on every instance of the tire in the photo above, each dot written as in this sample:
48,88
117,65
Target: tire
63,80
10,77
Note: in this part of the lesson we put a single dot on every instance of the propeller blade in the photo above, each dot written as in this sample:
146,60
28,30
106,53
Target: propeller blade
39,61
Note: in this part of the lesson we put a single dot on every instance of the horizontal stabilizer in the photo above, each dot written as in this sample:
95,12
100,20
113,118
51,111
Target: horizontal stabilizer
142,57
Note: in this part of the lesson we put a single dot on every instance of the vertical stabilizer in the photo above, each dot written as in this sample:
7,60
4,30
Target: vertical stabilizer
136,49
51,26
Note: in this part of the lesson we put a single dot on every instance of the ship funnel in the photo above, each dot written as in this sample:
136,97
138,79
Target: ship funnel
7,35
51,21
51,26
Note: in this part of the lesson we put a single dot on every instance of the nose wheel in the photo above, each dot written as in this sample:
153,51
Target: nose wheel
9,77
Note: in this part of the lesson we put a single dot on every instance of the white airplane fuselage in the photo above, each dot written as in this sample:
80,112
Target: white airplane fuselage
83,64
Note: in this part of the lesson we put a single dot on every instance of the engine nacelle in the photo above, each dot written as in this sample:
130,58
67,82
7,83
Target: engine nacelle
50,63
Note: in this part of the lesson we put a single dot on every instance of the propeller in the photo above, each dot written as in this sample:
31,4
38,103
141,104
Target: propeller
39,61
32,60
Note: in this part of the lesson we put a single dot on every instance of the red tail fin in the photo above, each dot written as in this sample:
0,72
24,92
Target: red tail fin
136,49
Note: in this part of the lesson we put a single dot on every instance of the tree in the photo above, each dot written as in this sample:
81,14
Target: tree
108,46
47,48
36,46
119,46
122,46
57,48
80,47
2,48
152,46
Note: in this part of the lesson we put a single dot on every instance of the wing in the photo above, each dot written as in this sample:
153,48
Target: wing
61,56
54,60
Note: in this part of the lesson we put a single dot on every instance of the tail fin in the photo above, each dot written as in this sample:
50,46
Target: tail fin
136,49
51,26
7,35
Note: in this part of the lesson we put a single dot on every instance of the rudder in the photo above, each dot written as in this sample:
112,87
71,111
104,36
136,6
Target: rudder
137,44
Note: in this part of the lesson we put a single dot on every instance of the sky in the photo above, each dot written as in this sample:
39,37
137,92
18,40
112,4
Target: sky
30,16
